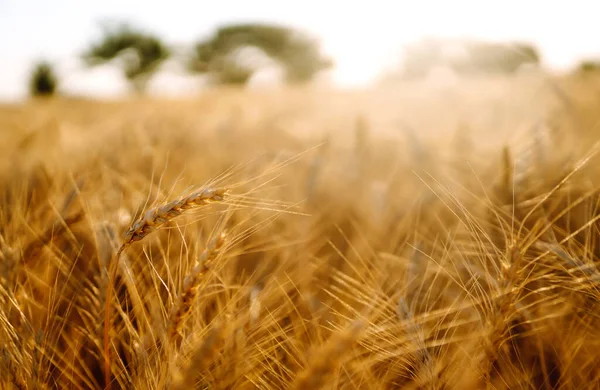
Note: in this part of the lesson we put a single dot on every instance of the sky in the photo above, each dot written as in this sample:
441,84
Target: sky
363,37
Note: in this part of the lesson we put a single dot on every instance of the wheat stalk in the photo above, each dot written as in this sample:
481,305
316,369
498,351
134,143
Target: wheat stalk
150,222
201,356
503,310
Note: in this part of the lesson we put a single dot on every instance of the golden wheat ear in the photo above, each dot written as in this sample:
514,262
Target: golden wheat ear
158,216
153,219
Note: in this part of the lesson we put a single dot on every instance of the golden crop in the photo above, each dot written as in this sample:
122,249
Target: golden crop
401,237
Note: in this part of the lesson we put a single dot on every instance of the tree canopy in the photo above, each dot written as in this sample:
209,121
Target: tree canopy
226,56
141,53
43,81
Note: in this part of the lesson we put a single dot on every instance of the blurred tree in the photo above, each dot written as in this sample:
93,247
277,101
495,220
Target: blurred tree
234,53
468,57
43,81
500,58
588,66
140,53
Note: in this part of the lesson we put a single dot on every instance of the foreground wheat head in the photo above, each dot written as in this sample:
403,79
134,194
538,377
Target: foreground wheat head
371,263
151,221
158,216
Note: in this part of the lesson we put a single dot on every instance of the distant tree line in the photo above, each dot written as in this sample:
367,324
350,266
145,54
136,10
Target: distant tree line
233,54
220,57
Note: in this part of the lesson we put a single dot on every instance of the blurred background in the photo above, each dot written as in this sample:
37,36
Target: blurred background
114,48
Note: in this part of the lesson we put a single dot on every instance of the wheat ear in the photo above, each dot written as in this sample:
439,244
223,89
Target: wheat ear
328,357
150,222
158,216
191,284
503,310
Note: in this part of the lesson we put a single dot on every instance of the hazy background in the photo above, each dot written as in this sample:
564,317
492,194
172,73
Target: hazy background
363,38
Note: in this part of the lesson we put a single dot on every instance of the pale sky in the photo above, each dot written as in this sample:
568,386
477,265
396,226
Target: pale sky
363,37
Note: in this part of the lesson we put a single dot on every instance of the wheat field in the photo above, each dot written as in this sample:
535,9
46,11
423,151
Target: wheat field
409,236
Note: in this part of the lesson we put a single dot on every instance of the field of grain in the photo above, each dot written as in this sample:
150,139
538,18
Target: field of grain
408,236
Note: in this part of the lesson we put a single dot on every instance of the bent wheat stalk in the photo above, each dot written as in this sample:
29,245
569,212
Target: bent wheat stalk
191,284
150,222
